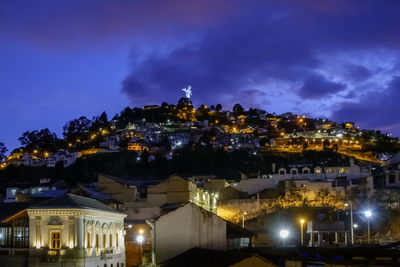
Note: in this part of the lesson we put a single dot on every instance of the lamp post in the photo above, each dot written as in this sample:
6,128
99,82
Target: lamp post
283,234
368,214
301,230
244,213
140,239
351,222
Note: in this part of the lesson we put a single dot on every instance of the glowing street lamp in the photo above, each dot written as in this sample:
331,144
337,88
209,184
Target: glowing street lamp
301,230
284,233
244,213
140,239
368,214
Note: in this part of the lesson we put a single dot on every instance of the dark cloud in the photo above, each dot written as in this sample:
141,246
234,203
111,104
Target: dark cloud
228,60
283,41
377,109
317,87
357,73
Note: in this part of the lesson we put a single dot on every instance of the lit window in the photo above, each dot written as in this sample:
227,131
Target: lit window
88,240
104,240
97,240
55,240
116,239
111,239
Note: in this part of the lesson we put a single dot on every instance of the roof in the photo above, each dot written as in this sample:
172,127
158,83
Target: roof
9,209
235,231
97,195
50,193
73,201
205,257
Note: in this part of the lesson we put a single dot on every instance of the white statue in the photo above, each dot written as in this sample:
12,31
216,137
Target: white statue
188,91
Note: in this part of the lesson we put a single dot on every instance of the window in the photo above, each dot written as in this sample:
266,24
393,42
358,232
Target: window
88,240
55,240
111,245
281,172
97,241
306,172
104,240
392,179
317,170
294,171
116,239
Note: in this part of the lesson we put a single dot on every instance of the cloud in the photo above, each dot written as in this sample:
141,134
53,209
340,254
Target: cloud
377,109
317,86
357,73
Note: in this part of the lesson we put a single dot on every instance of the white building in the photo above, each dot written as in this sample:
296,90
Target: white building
188,226
66,231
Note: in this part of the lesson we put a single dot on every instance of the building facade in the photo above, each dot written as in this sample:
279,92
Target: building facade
66,231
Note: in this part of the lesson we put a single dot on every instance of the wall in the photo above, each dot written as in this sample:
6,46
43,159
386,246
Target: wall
173,190
253,186
118,191
186,228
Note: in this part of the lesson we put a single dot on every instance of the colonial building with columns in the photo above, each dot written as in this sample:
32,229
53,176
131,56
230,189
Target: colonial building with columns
71,231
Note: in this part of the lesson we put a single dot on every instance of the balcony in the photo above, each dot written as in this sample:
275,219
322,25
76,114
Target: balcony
57,255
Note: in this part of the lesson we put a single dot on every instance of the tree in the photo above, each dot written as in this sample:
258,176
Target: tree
3,151
238,109
184,102
202,113
218,107
43,140
100,122
77,129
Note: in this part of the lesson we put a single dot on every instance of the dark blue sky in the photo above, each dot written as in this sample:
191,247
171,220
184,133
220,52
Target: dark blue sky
63,59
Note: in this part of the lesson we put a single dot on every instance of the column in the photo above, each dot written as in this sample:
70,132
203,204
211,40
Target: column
79,232
38,221
71,233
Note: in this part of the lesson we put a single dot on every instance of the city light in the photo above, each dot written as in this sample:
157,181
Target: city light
140,239
368,213
284,233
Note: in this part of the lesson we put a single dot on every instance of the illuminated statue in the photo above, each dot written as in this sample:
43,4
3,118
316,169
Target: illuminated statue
188,91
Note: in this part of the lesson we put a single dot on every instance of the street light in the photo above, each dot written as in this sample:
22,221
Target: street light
368,214
140,239
351,221
301,230
283,234
244,213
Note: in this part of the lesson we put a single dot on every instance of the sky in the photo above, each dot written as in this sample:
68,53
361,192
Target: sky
59,60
